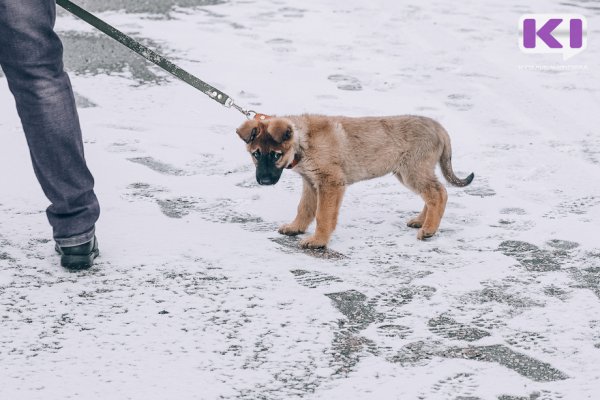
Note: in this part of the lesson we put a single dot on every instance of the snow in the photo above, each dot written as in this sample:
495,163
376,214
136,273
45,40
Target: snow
196,295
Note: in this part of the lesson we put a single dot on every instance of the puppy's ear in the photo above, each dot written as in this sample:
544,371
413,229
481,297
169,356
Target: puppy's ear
248,131
280,129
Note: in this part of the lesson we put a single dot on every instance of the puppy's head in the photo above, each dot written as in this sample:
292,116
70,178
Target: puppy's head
270,144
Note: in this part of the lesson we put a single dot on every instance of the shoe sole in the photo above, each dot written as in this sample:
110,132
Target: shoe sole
78,262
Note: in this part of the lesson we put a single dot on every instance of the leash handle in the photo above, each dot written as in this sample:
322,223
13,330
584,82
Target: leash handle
152,56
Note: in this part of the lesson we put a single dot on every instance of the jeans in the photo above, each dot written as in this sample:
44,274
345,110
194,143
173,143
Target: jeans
31,56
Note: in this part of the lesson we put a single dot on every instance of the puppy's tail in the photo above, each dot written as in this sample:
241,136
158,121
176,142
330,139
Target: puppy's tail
446,164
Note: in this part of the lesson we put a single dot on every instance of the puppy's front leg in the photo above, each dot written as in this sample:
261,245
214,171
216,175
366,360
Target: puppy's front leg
306,211
329,200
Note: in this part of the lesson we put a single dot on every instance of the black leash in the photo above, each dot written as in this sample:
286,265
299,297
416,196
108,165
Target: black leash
153,57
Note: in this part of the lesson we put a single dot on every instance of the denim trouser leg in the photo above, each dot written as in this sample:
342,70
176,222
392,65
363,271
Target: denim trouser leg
31,58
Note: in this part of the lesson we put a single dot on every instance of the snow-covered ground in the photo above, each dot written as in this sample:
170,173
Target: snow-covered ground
196,296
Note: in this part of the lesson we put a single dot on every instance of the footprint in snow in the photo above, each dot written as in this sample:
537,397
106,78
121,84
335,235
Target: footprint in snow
159,166
459,102
345,82
314,279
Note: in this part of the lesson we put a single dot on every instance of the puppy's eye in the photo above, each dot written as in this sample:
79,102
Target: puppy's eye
276,156
256,154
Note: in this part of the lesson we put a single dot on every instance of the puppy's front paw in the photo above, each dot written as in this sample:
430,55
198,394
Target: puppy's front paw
313,242
290,230
424,234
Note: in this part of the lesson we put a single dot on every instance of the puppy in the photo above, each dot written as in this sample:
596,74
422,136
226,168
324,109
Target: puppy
331,153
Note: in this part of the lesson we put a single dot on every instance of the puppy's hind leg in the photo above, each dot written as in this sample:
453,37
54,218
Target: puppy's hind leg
435,196
306,211
419,220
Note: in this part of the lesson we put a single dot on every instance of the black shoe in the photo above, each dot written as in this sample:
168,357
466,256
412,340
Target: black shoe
78,257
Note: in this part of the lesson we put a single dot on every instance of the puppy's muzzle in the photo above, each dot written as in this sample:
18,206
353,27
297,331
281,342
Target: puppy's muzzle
267,173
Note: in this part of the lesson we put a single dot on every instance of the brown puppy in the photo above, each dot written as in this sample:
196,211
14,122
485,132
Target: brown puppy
331,153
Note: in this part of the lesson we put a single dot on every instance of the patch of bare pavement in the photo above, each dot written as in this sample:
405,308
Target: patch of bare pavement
291,244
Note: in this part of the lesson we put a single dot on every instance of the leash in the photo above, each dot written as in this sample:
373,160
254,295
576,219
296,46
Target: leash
157,59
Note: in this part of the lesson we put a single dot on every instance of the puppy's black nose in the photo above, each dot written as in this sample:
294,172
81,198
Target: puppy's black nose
266,181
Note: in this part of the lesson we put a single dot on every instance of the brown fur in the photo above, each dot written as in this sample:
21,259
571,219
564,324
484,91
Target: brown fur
334,152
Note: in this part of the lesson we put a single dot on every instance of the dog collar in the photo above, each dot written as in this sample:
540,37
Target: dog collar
261,117
295,162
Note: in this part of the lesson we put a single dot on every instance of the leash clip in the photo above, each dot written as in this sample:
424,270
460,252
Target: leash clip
250,114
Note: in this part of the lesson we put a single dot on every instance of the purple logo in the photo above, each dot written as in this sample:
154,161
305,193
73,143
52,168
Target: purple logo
553,33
